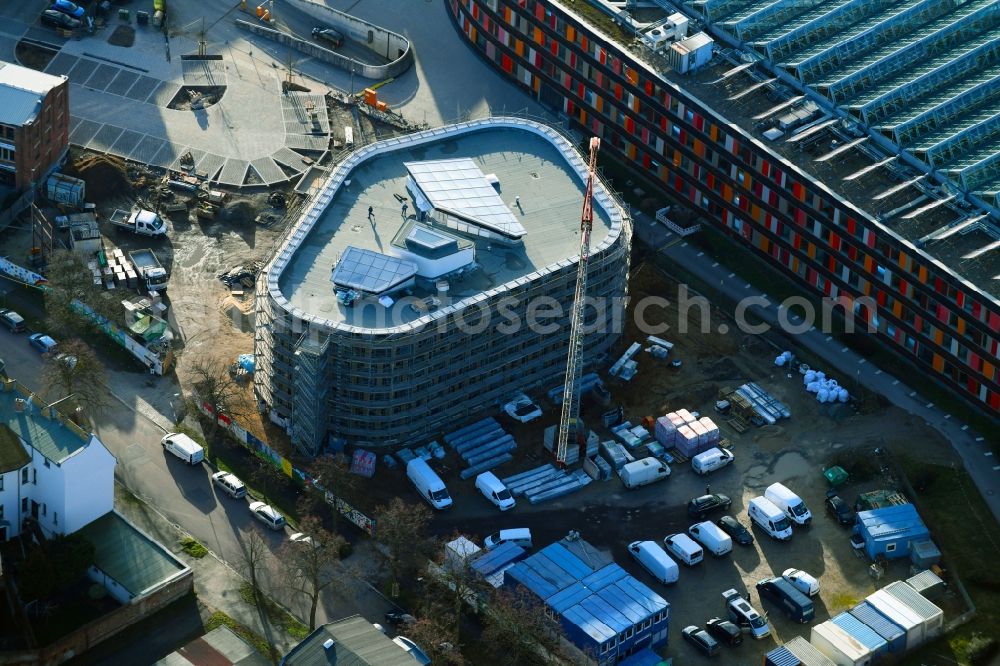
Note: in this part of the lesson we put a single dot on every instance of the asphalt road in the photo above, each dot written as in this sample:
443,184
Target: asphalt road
184,495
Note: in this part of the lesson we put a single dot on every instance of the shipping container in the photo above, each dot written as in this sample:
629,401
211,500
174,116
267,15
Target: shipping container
893,634
842,648
863,633
898,612
63,189
807,655
781,657
927,583
932,616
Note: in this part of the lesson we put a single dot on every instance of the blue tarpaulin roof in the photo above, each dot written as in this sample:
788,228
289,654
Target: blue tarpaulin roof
883,626
644,657
496,559
604,576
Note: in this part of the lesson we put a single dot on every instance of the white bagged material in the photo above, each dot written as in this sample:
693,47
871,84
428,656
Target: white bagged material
843,395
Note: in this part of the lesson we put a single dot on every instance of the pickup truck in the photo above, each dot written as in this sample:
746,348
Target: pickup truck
142,222
151,272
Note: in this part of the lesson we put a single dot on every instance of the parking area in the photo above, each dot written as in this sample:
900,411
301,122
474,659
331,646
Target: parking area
793,452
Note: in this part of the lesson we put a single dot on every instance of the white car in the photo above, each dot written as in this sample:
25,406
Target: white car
803,582
229,484
268,515
522,409
413,649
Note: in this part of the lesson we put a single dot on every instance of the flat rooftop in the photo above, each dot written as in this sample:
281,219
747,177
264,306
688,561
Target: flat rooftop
48,436
724,85
547,179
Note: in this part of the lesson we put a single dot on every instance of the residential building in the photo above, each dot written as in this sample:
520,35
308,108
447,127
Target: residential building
924,281
442,246
353,640
34,124
51,470
220,647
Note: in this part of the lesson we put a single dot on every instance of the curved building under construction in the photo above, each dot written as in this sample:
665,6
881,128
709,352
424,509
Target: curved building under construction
431,277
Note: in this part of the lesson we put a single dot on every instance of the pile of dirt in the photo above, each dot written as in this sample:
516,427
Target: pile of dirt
106,176
124,35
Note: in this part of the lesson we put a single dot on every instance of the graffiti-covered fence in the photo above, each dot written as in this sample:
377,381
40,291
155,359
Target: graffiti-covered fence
272,457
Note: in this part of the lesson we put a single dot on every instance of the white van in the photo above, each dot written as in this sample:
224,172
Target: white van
789,502
520,536
493,489
655,560
642,472
183,447
709,535
428,483
770,518
711,460
684,548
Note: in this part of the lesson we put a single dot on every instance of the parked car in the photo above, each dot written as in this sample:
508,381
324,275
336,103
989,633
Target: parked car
328,35
724,631
60,20
803,582
840,510
701,640
699,507
522,409
267,515
736,530
42,342
413,649
67,7
230,484
13,321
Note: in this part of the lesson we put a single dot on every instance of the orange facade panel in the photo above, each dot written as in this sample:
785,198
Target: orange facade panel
538,36
922,275
519,47
938,363
570,33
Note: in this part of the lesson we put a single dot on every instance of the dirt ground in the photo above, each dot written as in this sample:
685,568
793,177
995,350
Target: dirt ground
794,452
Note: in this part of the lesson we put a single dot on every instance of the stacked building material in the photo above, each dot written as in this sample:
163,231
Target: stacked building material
550,439
482,445
767,407
545,482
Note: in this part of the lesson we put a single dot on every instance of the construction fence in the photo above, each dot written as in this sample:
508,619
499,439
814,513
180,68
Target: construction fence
260,449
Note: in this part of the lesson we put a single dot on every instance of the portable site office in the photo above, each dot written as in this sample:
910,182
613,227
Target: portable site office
901,614
932,616
894,634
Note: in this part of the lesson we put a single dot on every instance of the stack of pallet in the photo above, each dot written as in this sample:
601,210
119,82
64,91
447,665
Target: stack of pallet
690,435
551,438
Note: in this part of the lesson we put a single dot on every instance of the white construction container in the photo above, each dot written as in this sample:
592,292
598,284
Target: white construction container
842,648
898,612
932,616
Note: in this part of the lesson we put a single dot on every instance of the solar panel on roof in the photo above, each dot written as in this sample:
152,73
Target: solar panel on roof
459,186
371,272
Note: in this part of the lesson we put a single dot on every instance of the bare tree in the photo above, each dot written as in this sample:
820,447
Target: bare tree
519,631
68,279
312,564
402,528
218,389
333,473
75,371
458,587
255,551
432,637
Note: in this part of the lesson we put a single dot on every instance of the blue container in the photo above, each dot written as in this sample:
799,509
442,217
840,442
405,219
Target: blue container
893,634
862,633
781,657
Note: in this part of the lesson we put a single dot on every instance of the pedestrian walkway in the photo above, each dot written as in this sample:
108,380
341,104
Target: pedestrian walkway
978,459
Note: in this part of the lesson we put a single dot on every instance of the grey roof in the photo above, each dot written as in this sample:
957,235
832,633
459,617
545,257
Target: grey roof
134,560
219,647
50,437
458,186
22,91
544,173
371,272
427,241
356,643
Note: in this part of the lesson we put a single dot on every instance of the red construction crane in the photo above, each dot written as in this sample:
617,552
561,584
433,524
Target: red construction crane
569,422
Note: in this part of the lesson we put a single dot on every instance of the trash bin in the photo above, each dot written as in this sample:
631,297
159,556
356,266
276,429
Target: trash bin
142,18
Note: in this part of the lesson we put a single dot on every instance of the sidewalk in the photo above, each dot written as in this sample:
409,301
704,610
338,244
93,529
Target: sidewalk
978,460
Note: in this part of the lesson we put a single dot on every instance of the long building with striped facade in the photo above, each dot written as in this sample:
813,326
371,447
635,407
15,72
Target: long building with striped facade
935,302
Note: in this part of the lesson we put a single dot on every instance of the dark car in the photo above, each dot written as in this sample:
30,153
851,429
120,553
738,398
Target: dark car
736,530
60,20
13,321
840,510
724,631
328,35
700,507
701,640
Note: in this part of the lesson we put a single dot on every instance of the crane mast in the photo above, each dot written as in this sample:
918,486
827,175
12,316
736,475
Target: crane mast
569,421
